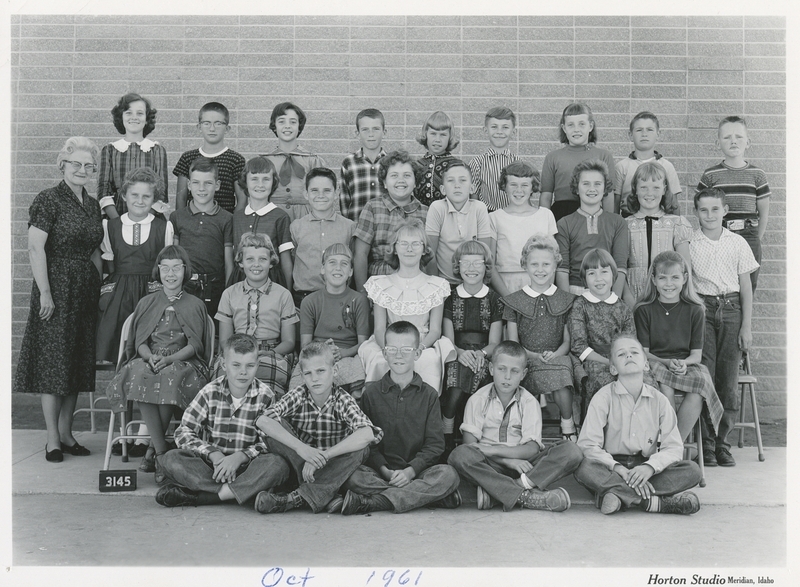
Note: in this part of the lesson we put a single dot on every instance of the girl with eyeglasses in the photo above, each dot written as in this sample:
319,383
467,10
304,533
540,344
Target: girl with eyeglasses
409,294
162,367
473,321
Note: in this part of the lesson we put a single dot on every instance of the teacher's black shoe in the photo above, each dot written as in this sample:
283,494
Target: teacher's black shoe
53,456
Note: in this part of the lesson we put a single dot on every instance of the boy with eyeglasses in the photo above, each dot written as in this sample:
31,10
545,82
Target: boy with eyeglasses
401,473
455,219
213,125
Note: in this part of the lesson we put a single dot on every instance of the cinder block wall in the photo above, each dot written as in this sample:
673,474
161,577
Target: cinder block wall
68,71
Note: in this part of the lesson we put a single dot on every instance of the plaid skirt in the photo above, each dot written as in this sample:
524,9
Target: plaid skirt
697,379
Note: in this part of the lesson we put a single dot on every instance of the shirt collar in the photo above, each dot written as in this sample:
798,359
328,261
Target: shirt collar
585,214
387,384
463,293
610,300
515,397
360,155
656,156
252,391
507,152
128,222
658,214
193,209
535,294
261,211
620,389
204,154
391,204
145,145
246,287
331,218
452,209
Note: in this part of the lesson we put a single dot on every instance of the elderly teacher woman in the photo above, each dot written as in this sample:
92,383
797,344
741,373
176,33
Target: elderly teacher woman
57,358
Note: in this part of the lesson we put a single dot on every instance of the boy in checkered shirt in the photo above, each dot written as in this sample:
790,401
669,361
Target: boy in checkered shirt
220,456
360,182
321,431
721,266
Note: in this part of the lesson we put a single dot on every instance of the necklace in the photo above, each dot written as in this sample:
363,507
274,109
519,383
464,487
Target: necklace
666,311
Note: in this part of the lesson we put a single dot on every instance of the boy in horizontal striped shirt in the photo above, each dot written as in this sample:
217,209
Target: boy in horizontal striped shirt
500,126
220,456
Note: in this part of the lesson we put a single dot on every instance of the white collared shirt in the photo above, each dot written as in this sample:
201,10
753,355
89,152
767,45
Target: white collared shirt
145,145
127,234
590,297
535,294
261,211
463,293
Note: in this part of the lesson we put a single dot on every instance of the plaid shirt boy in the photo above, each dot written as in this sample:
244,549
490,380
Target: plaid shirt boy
360,183
322,427
211,424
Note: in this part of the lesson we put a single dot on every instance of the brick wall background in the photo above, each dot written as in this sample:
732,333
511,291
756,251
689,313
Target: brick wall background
68,71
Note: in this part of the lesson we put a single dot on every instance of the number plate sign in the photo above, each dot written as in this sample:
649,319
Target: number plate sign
120,480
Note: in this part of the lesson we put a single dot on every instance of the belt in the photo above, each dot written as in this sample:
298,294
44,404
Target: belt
733,295
630,460
205,277
740,223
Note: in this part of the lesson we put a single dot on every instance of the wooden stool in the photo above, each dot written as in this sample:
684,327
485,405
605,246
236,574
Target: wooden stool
747,381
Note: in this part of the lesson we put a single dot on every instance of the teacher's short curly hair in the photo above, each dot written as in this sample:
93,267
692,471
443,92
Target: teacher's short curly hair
122,106
74,144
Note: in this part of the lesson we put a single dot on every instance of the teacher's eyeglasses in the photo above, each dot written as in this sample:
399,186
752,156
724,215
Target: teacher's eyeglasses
76,166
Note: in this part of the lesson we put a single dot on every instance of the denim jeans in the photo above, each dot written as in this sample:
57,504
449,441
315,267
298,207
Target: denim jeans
431,484
549,465
599,479
188,469
327,480
750,234
721,355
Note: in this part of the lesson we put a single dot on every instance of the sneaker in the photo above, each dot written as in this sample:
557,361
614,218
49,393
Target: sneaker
724,457
148,464
448,502
268,502
485,501
556,500
611,504
709,457
355,503
335,505
685,504
173,496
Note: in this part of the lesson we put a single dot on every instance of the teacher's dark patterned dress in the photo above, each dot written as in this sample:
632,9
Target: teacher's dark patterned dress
57,356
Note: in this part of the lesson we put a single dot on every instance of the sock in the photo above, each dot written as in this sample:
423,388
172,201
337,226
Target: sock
208,498
652,505
567,425
381,503
448,424
526,483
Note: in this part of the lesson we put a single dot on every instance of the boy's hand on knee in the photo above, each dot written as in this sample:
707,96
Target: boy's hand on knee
622,471
639,480
313,455
308,472
521,466
401,478
225,469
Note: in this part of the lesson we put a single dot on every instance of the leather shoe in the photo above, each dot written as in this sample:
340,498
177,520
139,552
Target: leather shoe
173,496
76,450
355,503
709,458
448,502
53,456
724,457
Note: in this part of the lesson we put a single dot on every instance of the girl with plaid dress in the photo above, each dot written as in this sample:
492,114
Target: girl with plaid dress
473,322
670,324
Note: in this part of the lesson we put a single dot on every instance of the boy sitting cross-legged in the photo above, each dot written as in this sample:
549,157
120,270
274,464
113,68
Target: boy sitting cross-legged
320,430
503,452
220,455
401,473
631,445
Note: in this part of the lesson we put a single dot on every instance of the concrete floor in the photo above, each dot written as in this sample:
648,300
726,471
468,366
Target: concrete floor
60,519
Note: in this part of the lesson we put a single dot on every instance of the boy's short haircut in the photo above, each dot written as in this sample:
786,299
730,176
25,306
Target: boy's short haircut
644,115
709,193
173,253
257,241
316,349
511,349
398,157
733,119
439,120
473,247
143,175
337,249
371,113
576,109
519,169
214,107
321,172
403,327
204,165
241,344
122,105
280,110
650,171
595,259
456,163
501,113
540,242
590,165
258,164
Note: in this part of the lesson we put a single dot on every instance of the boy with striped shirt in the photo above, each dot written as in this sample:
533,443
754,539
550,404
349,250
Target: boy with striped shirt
500,125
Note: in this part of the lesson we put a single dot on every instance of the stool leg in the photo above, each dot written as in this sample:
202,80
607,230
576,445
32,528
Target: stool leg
756,423
123,430
741,413
109,442
91,413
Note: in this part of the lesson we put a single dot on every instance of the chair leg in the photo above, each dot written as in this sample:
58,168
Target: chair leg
698,440
742,397
91,413
123,430
756,423
109,442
